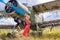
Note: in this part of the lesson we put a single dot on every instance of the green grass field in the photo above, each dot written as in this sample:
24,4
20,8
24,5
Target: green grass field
47,35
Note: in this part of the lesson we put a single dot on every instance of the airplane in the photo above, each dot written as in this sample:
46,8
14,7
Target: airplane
18,8
11,6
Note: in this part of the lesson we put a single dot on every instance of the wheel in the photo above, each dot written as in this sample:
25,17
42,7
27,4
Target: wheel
9,35
39,33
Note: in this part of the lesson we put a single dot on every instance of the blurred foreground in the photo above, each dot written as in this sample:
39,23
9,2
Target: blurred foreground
47,35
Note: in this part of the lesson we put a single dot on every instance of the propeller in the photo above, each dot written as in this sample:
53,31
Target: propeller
8,7
11,7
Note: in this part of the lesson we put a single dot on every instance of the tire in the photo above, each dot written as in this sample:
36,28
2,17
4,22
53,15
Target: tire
9,35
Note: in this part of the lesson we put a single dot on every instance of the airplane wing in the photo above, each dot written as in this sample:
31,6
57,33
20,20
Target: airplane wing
49,6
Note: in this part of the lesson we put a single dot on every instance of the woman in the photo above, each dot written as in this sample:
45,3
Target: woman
27,27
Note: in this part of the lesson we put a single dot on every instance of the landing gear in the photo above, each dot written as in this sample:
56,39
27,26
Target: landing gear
9,35
39,30
40,33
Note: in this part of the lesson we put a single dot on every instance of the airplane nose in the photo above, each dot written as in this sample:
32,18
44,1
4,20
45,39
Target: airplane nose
8,7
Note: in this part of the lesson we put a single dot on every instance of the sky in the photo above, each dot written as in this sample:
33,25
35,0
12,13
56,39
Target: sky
7,21
50,16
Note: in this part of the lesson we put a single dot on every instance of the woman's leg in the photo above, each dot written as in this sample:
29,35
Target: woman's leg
26,30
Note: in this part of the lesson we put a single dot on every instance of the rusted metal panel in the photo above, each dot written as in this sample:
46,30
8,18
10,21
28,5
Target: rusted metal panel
46,6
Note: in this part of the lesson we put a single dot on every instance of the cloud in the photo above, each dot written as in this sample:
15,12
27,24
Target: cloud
52,15
3,5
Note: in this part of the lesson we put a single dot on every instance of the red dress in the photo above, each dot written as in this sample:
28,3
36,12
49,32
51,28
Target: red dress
27,28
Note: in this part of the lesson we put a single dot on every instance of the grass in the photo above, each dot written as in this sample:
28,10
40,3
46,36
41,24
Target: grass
47,35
